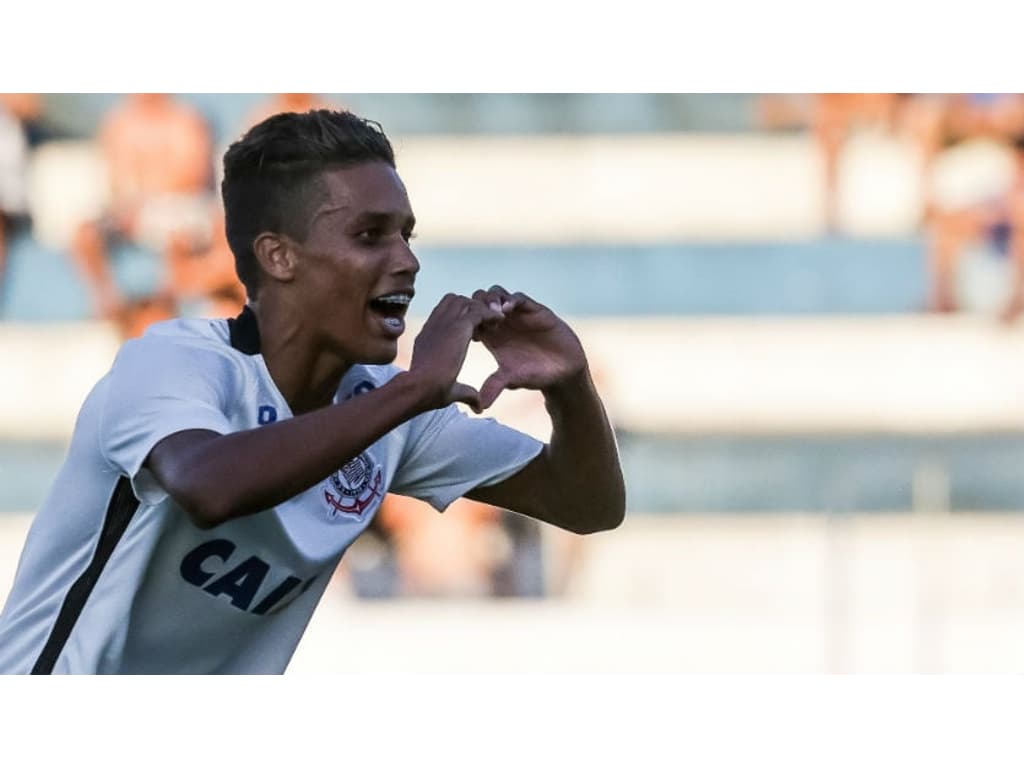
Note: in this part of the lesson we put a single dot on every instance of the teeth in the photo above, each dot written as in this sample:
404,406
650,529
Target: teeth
395,298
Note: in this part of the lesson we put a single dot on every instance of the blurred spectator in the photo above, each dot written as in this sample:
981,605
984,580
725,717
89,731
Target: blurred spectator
974,193
15,110
158,153
454,555
287,102
917,118
274,105
834,117
996,224
984,115
966,128
204,279
472,551
520,572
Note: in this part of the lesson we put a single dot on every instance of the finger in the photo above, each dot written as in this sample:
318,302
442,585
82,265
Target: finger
505,299
454,308
492,387
494,297
521,300
463,393
448,306
480,313
510,301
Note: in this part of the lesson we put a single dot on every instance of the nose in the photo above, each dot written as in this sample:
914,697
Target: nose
404,260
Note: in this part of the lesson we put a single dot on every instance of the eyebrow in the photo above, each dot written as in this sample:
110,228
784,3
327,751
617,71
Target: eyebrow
379,218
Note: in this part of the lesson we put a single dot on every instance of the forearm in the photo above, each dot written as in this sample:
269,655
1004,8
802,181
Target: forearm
584,475
241,473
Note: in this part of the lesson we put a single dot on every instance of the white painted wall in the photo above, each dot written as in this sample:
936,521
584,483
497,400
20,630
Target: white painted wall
909,374
618,189
778,593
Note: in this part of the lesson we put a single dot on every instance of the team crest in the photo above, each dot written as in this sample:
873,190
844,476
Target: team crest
354,488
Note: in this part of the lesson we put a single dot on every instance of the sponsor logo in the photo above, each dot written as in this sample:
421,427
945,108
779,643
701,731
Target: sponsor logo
354,488
214,567
267,414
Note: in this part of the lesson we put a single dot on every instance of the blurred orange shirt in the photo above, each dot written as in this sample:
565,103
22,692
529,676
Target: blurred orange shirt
155,146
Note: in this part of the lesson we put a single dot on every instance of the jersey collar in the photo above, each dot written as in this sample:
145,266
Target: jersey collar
245,332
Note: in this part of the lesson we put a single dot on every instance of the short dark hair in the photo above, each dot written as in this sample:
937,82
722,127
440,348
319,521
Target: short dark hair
270,175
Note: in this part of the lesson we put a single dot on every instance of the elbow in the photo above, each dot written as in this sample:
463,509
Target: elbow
608,511
606,522
206,511
204,516
203,519
601,517
617,518
614,512
194,479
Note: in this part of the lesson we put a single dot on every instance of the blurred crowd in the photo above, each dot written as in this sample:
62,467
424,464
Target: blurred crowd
159,202
948,132
160,199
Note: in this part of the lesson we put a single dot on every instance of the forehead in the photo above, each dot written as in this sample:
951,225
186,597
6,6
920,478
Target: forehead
369,187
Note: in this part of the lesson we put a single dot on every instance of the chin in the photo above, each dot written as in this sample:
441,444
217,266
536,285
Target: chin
381,356
365,351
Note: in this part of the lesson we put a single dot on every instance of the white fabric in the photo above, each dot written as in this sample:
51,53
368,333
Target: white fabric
236,598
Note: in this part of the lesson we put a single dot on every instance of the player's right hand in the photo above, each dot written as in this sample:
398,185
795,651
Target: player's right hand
440,350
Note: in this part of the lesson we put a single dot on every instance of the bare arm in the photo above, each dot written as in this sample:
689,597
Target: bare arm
576,482
219,477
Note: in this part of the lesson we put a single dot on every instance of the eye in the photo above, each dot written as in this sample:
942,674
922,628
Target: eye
369,235
409,236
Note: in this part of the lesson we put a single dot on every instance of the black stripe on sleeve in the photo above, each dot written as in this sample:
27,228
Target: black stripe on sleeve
120,511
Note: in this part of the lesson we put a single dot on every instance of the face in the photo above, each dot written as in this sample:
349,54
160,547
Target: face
355,271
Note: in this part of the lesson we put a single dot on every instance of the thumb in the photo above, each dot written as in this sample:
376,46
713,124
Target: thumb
491,388
463,393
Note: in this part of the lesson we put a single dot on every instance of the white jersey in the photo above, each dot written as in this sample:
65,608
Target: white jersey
115,578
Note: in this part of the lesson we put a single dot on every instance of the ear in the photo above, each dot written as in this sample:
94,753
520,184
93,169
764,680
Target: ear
276,255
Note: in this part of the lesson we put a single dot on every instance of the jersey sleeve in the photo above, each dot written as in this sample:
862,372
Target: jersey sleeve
156,388
449,453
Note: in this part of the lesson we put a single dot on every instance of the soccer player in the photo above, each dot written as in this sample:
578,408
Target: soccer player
220,470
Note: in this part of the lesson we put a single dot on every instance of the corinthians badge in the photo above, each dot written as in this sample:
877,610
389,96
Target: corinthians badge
353,488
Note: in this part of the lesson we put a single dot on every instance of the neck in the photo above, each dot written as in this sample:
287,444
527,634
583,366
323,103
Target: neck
305,373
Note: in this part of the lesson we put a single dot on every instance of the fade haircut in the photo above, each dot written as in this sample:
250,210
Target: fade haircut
271,175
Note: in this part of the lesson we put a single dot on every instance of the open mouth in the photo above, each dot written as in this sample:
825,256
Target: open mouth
391,308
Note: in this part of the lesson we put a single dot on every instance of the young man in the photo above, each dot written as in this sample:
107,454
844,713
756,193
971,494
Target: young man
220,470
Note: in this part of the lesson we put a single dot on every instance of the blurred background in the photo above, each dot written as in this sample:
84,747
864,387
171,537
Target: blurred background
801,310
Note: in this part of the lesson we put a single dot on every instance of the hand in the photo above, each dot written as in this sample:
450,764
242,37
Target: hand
440,350
534,348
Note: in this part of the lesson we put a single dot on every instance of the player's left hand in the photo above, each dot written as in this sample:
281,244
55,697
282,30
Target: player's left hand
534,348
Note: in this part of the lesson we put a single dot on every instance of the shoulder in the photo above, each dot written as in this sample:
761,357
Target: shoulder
183,333
360,379
181,348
